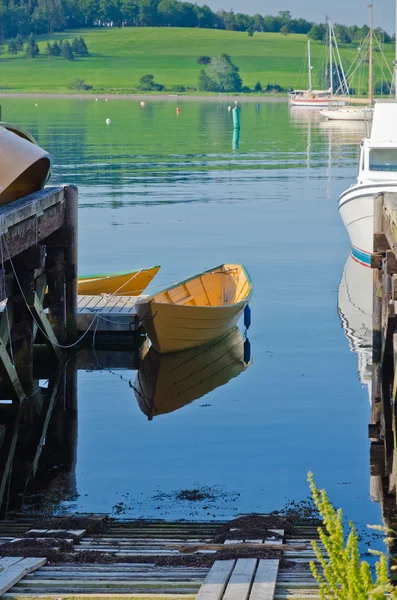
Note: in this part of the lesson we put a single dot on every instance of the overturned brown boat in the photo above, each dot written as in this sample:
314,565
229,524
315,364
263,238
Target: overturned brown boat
167,382
24,166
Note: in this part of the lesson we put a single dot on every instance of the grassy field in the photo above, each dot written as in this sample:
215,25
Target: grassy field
119,57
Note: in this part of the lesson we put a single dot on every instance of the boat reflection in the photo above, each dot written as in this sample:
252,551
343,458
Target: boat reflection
343,133
165,383
355,312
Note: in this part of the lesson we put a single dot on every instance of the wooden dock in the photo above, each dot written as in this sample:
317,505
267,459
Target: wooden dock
383,426
139,549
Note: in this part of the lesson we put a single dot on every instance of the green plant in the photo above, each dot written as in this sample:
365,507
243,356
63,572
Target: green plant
343,576
80,84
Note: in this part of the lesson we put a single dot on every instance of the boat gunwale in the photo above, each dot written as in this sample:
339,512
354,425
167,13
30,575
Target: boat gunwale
117,274
151,299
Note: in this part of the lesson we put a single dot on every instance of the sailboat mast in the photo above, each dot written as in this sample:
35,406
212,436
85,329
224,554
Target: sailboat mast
309,65
371,51
330,56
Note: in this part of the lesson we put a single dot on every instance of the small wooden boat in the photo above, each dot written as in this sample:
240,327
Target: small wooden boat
24,166
196,310
165,383
122,284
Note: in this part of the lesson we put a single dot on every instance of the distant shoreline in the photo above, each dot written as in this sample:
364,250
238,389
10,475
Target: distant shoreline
143,97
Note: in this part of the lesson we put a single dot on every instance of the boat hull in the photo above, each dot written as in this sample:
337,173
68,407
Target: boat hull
356,207
345,114
122,284
315,103
172,328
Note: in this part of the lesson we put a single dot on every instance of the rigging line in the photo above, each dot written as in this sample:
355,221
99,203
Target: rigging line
383,55
6,307
33,316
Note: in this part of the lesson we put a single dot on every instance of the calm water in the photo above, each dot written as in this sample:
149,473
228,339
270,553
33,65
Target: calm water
156,188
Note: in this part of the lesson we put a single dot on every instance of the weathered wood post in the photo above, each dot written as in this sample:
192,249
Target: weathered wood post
71,259
57,292
377,317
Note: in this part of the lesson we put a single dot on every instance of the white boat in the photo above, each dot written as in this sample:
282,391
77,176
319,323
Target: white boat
348,113
356,113
319,98
377,173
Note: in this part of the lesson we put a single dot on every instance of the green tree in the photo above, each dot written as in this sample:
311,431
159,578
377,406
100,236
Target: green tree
56,50
32,49
221,75
48,50
12,48
251,31
19,43
79,47
318,33
258,87
147,83
67,51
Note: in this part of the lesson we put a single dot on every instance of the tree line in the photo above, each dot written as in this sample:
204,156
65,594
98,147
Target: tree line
31,49
24,17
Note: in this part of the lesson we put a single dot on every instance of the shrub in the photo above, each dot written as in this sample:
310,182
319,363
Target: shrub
382,87
32,49
79,84
147,84
203,60
343,575
220,75
258,87
250,31
12,47
177,88
246,90
274,88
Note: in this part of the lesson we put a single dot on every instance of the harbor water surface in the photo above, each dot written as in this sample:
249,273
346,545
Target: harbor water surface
185,191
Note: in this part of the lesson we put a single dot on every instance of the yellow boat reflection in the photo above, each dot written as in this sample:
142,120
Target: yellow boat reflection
167,382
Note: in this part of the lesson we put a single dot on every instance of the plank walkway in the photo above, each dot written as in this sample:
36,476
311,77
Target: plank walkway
241,579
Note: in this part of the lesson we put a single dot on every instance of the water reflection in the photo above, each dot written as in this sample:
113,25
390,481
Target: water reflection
165,383
355,312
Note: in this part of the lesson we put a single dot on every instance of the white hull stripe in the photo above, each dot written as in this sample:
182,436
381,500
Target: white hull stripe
377,187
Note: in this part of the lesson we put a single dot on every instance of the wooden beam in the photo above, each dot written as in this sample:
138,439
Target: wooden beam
391,263
11,371
50,337
62,238
33,258
56,300
71,257
380,243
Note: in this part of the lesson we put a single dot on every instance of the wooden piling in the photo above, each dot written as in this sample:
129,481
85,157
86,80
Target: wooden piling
71,259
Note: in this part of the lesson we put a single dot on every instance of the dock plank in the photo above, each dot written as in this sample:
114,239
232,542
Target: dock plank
239,585
264,585
14,573
215,583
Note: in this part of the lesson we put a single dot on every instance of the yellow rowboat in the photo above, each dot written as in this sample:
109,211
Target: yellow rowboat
121,284
165,383
197,310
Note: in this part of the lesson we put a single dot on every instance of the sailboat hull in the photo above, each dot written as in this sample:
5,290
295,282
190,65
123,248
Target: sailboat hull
348,114
314,102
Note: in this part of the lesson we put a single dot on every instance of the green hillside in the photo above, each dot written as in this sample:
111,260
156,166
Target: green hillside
119,57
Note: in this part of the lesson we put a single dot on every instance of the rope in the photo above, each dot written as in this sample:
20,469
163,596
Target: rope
6,306
34,317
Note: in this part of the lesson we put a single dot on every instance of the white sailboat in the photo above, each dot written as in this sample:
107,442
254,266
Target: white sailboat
377,173
318,98
356,113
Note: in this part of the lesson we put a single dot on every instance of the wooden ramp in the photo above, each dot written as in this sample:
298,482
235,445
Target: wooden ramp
138,548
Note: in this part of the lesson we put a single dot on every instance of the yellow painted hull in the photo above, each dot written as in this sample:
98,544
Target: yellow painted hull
121,284
196,311
165,383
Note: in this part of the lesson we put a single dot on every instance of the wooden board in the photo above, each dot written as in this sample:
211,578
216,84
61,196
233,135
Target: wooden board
239,585
264,585
106,312
216,580
13,573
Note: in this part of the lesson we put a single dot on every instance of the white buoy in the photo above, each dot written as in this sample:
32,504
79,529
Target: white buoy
106,99
36,104
229,108
108,121
96,99
143,103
